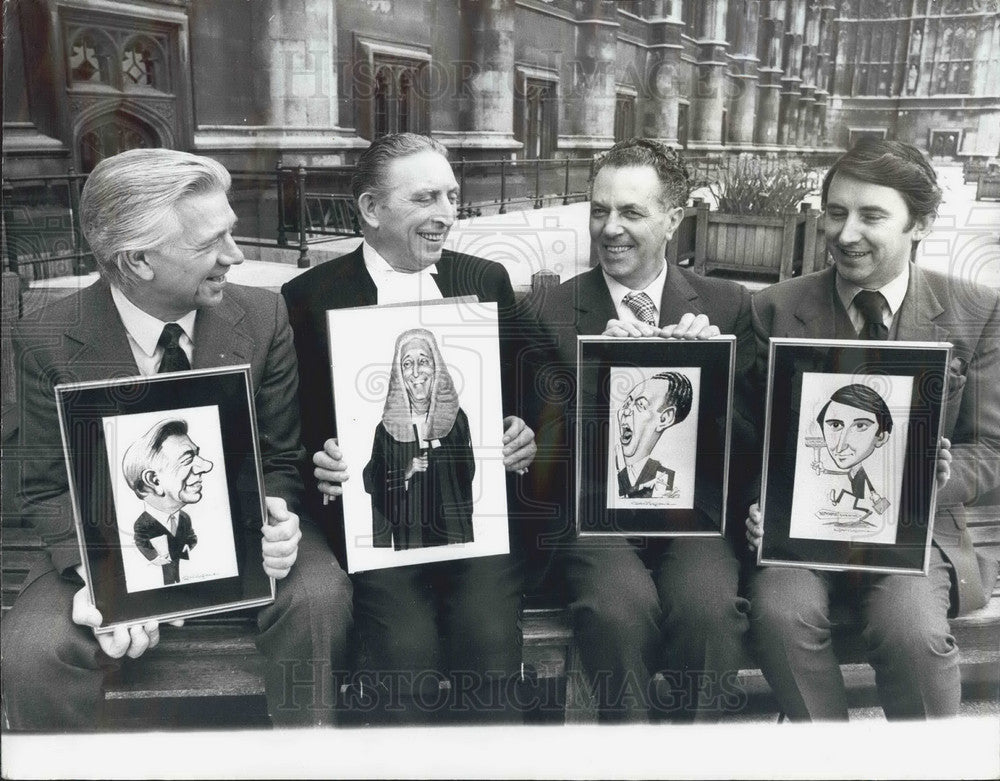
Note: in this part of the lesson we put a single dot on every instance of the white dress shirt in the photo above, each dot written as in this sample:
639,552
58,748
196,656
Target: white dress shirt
893,291
399,287
144,332
618,292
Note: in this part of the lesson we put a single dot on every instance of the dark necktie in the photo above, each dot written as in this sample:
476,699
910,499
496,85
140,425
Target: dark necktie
870,303
642,306
174,358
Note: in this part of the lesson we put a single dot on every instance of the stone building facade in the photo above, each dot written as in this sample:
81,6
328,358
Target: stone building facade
252,82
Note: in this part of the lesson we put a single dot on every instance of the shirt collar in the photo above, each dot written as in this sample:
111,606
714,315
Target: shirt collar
143,327
379,267
894,291
160,515
654,289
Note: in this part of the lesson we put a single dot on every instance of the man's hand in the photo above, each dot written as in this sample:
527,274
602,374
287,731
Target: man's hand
627,328
162,560
133,640
518,445
331,469
755,527
418,464
281,538
690,326
943,473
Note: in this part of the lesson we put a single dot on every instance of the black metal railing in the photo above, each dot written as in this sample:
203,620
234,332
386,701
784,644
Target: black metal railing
41,226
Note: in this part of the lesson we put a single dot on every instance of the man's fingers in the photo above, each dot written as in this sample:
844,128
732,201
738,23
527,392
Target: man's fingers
84,612
332,449
330,489
115,643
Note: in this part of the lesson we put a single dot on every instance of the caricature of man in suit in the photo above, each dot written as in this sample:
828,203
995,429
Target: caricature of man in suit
164,468
855,422
651,407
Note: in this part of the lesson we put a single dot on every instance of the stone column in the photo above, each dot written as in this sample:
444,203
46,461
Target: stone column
590,100
788,113
297,49
772,33
664,76
708,99
489,52
743,106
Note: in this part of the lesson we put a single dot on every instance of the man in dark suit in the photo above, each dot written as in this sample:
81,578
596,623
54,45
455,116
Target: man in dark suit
159,224
880,199
163,467
441,617
643,606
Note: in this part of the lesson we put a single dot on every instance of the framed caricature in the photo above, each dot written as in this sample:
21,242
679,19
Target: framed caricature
420,425
850,453
165,479
653,431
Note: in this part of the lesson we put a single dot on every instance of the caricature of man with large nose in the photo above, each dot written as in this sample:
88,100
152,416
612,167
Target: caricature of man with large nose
164,468
651,407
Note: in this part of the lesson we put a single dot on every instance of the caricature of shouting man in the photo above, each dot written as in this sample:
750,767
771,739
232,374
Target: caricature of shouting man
164,469
855,421
651,407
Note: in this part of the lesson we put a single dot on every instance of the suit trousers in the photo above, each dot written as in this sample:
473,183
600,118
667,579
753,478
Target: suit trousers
670,606
53,670
420,624
905,631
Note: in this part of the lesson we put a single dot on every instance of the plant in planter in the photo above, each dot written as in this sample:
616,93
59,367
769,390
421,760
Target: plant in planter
753,185
758,229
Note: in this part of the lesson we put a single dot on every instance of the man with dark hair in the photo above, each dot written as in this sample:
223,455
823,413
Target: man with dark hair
669,605
855,421
880,199
422,621
160,226
650,408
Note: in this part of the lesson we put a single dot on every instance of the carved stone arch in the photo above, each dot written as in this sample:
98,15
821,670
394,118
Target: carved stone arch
106,51
112,126
161,74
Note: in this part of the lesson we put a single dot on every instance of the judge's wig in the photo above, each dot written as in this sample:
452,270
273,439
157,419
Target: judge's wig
398,414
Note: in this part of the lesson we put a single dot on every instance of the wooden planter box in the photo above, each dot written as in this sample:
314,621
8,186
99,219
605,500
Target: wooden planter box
988,187
776,247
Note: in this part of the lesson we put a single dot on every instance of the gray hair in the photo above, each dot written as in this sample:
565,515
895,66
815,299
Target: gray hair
369,175
130,197
144,453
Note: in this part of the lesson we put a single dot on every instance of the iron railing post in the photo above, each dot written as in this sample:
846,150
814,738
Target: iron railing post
566,184
282,236
503,187
301,191
538,186
73,185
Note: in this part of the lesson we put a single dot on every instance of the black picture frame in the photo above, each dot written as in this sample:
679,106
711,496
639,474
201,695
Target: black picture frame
693,495
94,419
854,527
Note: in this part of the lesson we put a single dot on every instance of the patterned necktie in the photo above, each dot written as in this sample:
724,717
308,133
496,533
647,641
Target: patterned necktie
172,525
642,306
870,303
174,358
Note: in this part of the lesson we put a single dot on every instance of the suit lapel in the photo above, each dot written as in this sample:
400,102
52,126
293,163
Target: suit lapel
358,280
593,303
678,297
919,311
219,339
815,311
100,333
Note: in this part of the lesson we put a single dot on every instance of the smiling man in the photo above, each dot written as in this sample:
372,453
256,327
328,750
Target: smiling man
419,622
164,468
160,227
656,605
880,200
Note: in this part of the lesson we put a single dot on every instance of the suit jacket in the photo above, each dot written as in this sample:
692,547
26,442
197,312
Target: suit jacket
583,306
146,527
345,282
81,337
650,470
936,308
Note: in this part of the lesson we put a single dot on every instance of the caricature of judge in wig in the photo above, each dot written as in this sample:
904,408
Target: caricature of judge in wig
422,465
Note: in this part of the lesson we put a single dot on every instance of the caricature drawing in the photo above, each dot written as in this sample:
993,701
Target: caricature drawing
651,407
422,464
855,422
164,469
